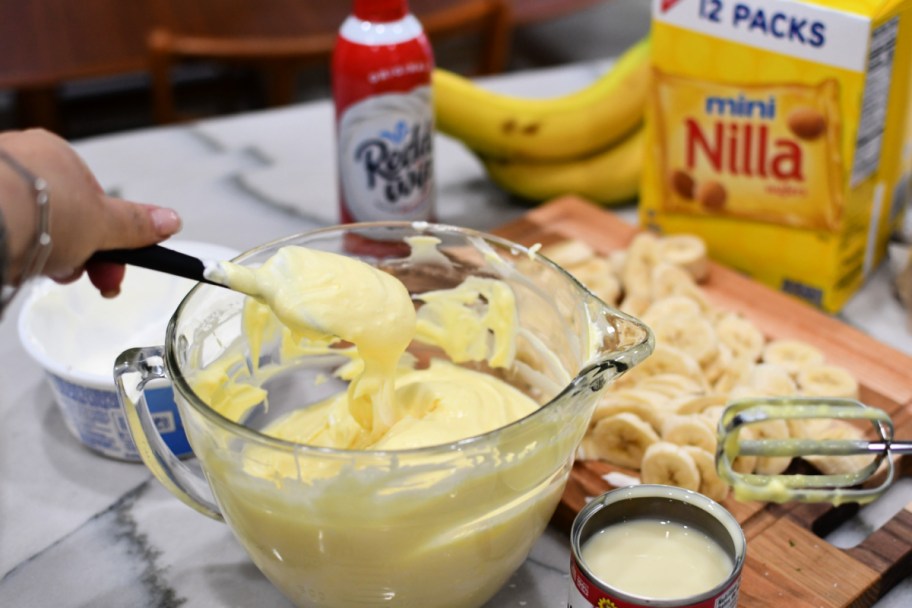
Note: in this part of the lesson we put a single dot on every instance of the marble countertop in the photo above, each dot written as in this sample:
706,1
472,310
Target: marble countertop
81,530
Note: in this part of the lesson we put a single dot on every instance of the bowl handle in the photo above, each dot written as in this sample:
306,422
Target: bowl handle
133,369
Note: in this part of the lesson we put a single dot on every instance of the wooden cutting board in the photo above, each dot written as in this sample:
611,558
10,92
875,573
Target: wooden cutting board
788,562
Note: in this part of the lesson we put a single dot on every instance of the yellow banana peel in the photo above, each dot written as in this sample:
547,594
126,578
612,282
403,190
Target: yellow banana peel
508,127
609,177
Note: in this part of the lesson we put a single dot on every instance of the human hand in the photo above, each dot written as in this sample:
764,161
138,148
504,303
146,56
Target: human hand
83,219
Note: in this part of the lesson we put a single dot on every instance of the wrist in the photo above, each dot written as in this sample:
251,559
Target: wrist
17,212
26,240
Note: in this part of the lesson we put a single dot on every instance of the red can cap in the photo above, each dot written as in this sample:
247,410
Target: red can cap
381,11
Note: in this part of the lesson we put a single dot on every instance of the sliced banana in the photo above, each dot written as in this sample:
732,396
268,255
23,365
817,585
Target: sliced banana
596,272
622,439
692,333
771,429
637,271
689,429
713,414
662,416
715,367
617,258
667,463
665,359
838,465
645,404
746,391
741,335
733,375
644,246
674,305
686,251
806,428
770,379
793,355
592,269
634,303
697,404
569,252
672,387
824,380
745,464
668,280
711,484
598,276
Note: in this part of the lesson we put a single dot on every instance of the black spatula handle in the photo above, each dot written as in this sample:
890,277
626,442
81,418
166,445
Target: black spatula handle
156,257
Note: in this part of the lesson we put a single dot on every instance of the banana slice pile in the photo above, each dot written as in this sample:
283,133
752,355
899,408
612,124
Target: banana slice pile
660,418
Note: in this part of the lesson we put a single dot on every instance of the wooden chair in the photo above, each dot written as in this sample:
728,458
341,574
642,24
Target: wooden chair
280,38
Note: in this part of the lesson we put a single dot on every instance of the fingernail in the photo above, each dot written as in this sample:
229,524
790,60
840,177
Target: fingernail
166,221
110,293
64,275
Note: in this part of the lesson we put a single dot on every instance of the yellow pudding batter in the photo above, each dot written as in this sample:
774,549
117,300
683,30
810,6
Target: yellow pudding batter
323,298
318,524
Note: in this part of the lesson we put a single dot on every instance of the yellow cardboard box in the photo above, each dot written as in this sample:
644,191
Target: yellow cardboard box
776,131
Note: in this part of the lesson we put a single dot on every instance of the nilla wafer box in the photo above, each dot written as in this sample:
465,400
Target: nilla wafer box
778,131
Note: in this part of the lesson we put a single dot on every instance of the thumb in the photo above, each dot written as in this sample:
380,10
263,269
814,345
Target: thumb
132,225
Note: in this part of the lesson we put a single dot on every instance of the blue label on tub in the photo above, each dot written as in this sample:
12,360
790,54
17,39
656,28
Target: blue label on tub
167,419
95,416
91,396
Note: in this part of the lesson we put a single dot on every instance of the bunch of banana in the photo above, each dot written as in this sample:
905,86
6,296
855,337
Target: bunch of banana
589,142
660,418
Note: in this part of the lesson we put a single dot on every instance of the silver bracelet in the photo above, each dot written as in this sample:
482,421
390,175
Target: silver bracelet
41,248
4,262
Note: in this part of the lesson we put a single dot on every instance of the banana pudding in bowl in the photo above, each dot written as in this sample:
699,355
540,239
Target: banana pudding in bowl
393,427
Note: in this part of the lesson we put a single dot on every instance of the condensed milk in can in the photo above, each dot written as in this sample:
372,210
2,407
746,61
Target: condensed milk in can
686,518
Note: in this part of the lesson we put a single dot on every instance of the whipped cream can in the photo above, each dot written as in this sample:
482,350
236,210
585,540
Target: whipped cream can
649,501
381,84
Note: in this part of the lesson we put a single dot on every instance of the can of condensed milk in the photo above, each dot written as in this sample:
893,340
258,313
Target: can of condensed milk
655,546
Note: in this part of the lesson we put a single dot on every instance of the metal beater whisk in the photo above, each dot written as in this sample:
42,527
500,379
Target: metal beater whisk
835,488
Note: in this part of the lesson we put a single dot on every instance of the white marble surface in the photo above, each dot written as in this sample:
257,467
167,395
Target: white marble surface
80,530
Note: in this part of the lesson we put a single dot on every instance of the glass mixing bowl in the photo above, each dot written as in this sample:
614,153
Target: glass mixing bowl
439,526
